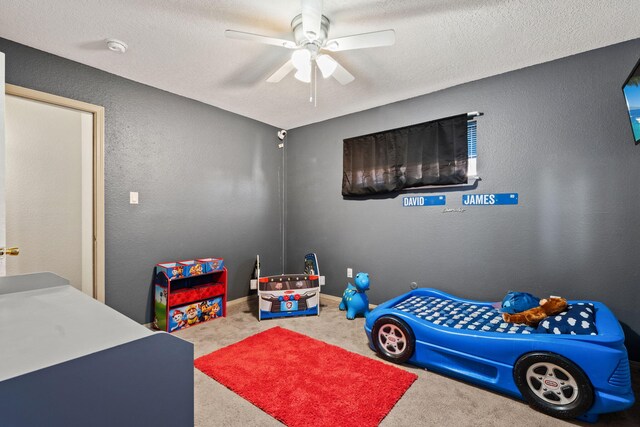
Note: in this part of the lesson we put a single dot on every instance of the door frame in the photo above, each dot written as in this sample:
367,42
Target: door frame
98,173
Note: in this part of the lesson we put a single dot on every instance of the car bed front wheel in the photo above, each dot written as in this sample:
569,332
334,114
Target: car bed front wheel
393,339
553,384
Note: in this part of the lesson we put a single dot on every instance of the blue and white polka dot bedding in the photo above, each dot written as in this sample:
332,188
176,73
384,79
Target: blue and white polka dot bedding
460,315
578,319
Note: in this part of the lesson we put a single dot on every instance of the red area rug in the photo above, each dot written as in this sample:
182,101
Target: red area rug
305,382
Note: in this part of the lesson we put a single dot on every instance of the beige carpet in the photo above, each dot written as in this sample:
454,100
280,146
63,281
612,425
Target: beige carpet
432,400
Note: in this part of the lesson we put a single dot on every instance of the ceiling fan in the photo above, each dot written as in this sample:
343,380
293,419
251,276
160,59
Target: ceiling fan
311,34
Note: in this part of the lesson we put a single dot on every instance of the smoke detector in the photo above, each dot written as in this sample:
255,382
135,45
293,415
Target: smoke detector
115,45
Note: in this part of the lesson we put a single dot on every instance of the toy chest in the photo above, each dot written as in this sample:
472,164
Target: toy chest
288,295
188,293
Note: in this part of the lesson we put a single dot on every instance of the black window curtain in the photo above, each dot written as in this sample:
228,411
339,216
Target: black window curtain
430,153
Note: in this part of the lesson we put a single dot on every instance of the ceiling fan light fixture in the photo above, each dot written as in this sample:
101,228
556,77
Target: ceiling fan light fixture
332,45
301,59
327,65
304,75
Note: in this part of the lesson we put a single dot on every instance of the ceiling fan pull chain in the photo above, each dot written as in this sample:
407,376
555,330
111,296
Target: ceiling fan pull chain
311,81
315,85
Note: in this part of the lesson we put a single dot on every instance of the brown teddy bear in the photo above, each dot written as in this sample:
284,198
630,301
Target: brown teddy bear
533,316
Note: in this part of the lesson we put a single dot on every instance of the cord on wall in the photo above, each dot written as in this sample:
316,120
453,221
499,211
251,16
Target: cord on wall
282,146
284,210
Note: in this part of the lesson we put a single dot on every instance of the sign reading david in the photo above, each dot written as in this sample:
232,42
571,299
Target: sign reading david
490,199
424,201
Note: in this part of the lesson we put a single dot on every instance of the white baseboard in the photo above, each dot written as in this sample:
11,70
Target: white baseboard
324,298
336,300
330,299
238,302
242,300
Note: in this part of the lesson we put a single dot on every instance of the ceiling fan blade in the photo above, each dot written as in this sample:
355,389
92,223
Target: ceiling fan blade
362,41
281,72
342,75
239,35
311,18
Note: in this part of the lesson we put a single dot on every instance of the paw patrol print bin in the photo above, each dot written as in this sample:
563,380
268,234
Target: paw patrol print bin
173,270
211,264
195,313
191,268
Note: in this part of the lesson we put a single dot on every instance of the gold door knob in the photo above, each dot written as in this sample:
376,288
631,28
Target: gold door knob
10,251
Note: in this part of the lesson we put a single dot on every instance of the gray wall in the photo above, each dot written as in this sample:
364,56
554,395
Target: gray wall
208,179
557,133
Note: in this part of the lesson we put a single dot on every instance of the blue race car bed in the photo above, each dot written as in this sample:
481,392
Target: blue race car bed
574,365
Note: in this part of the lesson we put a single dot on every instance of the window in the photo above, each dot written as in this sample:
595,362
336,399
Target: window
472,139
426,154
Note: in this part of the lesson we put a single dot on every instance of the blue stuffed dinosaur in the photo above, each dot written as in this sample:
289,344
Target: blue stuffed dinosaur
354,299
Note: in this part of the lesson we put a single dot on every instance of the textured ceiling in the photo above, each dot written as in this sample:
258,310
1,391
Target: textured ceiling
179,45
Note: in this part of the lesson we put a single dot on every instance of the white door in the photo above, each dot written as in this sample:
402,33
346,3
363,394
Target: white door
2,204
48,192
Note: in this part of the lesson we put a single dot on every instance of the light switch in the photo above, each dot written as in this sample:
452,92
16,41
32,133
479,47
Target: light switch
133,197
349,272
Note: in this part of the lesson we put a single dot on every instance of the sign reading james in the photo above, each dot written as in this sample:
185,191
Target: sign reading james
490,199
424,201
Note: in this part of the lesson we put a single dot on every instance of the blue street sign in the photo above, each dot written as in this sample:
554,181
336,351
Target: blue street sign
490,199
408,201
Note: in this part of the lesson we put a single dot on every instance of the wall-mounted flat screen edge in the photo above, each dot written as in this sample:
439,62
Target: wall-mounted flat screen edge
631,90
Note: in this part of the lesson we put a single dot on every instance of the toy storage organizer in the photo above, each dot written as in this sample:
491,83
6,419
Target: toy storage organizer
188,293
288,295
